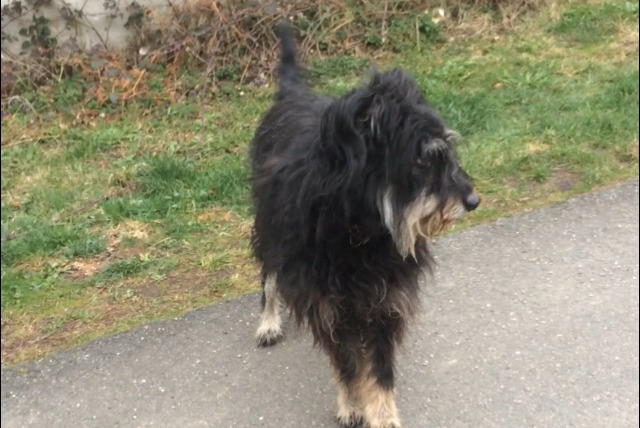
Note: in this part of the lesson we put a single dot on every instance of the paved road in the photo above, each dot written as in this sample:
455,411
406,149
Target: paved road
531,321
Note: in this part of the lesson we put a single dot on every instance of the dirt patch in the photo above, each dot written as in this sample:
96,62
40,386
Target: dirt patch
627,41
149,290
535,148
83,268
24,340
129,229
562,180
633,152
80,269
217,215
127,253
186,281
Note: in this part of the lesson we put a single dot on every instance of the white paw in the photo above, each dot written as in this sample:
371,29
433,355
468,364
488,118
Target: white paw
349,420
269,335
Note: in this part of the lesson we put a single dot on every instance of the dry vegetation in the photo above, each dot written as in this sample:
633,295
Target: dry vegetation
231,41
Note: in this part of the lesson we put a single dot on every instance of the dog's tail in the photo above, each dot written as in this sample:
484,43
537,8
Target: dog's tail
289,72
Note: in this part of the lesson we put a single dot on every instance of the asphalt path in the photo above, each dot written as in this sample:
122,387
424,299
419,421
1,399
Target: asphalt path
530,321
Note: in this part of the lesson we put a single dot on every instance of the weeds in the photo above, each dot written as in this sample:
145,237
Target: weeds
222,41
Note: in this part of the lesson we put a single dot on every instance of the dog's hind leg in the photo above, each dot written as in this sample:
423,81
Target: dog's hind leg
270,330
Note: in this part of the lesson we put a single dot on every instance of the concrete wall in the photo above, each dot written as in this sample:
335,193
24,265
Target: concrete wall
98,26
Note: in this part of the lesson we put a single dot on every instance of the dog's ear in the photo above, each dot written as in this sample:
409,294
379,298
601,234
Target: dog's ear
347,124
351,125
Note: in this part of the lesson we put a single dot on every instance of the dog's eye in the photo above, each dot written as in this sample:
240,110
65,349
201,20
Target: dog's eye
424,161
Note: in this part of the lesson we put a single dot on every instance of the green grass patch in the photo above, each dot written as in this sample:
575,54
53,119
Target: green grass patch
590,24
118,215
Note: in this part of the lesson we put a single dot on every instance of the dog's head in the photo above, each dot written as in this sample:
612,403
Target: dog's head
400,153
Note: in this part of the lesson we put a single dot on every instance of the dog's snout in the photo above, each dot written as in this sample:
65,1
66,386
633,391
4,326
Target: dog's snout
472,201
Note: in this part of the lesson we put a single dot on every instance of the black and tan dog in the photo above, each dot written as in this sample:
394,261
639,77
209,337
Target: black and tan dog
346,192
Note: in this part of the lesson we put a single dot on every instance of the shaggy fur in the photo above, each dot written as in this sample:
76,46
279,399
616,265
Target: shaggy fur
345,192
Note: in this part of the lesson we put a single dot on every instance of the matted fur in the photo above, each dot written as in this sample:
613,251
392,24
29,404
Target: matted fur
346,192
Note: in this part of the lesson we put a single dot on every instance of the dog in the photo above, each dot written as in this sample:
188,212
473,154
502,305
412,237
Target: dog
346,192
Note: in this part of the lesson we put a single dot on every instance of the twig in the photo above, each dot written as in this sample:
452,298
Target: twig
20,141
133,90
86,23
43,337
417,35
11,57
203,94
383,30
24,101
120,192
214,6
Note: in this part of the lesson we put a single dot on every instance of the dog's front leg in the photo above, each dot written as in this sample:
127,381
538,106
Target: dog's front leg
375,386
270,330
346,359
350,412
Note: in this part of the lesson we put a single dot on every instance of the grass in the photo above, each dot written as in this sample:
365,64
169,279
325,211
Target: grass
115,216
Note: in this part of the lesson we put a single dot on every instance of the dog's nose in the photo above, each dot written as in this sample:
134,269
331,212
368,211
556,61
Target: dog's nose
472,201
